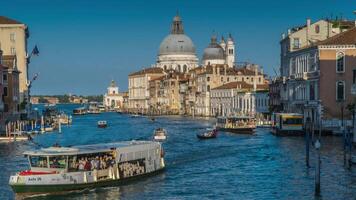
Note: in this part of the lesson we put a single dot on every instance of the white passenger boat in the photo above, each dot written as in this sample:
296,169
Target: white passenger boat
160,134
57,169
239,124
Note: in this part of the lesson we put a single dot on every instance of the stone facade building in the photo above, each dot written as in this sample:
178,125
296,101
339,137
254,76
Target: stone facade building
113,98
139,93
317,79
239,98
13,41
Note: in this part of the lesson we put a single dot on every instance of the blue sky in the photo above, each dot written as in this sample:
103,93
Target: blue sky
85,43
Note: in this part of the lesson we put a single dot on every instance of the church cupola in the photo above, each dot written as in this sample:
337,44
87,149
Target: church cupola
177,25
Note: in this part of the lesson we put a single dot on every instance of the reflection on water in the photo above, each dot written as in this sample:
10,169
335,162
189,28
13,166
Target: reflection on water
261,166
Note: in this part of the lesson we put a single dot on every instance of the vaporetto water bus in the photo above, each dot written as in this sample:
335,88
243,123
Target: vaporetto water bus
57,169
287,124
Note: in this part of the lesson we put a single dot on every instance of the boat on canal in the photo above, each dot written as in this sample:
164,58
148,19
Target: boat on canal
160,134
287,124
238,124
58,169
80,111
208,135
102,124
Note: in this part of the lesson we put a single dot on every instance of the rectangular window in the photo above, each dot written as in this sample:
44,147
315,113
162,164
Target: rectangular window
4,77
340,90
13,51
340,62
208,78
5,91
296,43
354,76
12,37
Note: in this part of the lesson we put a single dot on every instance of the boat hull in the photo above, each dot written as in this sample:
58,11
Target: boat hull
205,137
102,125
237,130
21,189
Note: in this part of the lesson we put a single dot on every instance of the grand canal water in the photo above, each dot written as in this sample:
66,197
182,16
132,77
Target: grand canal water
232,166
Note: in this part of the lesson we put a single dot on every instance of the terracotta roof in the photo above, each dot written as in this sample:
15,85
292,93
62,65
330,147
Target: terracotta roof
241,85
6,20
152,70
345,38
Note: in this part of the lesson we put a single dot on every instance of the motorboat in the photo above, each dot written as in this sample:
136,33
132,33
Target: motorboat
208,135
102,124
160,134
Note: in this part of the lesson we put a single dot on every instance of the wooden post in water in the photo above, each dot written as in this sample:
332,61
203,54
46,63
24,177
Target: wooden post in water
307,140
317,168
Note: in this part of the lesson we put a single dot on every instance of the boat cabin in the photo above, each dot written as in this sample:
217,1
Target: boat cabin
88,157
287,123
236,122
80,111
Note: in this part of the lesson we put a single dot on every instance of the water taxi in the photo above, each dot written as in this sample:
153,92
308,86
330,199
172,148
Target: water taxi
58,169
80,111
240,124
102,124
285,124
208,135
93,108
160,134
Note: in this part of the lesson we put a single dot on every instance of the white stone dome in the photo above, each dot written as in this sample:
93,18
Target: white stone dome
214,51
177,44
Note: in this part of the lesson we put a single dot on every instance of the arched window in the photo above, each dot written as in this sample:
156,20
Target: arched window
340,90
317,28
165,68
208,88
340,62
179,68
185,68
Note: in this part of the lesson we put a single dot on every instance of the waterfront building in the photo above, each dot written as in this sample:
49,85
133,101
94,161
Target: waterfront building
77,99
13,42
139,93
113,98
177,50
11,92
178,85
239,98
321,75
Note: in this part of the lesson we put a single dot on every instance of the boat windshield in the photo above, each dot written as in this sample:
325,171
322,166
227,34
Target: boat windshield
293,121
38,161
57,162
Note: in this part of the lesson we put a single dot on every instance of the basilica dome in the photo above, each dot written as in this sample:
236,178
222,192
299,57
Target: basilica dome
214,51
177,43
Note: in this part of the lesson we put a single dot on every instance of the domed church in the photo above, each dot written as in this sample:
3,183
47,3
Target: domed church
223,53
177,51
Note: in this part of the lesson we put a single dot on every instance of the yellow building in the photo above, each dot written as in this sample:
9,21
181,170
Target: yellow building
13,41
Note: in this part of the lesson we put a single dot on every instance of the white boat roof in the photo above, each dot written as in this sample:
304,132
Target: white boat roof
85,149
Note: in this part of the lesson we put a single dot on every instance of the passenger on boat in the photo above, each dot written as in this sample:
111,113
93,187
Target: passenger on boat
87,166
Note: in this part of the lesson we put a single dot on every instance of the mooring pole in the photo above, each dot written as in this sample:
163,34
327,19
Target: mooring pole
317,168
307,140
